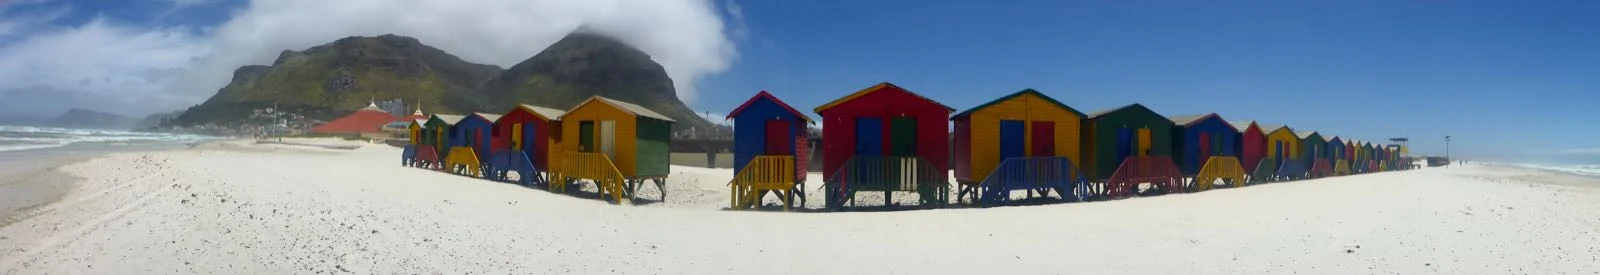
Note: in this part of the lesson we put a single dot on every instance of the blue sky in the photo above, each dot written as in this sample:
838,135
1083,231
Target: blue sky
1502,78
1506,79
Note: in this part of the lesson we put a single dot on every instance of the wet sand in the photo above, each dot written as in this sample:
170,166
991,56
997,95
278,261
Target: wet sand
31,178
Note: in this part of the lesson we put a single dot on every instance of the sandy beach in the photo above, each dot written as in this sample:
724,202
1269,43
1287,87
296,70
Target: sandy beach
245,208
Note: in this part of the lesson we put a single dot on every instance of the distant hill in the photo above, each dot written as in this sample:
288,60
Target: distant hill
330,80
583,65
80,118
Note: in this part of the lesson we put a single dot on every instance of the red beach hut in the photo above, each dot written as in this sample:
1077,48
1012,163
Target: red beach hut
525,137
885,138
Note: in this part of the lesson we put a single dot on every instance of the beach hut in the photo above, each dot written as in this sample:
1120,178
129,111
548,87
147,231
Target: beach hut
615,144
771,152
1252,146
527,136
1313,152
473,141
1336,155
1127,146
885,138
408,156
1023,141
441,138
1283,147
1349,156
1201,139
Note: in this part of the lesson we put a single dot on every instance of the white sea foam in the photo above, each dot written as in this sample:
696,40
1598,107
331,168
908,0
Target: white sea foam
1583,169
15,138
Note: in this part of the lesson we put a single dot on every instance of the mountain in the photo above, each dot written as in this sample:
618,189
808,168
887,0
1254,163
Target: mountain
584,64
330,80
80,118
156,119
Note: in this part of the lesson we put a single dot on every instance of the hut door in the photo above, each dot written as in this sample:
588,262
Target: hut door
586,136
778,138
1044,138
1144,142
1124,146
1205,146
869,136
516,136
903,137
608,138
1012,140
1277,146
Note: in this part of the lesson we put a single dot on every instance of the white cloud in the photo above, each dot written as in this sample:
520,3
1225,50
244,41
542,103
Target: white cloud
716,118
688,38
97,65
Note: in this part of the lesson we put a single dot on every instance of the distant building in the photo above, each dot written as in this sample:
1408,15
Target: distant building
395,107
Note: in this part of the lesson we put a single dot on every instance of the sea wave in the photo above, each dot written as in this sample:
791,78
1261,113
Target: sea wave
15,138
1581,169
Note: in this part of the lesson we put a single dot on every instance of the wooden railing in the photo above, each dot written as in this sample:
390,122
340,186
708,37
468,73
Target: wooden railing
1033,173
887,174
1227,169
763,174
408,155
1321,168
596,167
1159,171
1291,169
1265,172
427,157
1341,167
464,157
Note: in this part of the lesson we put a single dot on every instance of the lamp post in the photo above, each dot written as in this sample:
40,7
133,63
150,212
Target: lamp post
1447,150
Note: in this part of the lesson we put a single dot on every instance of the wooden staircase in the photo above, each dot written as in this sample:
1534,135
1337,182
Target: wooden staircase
1227,169
465,157
764,174
595,167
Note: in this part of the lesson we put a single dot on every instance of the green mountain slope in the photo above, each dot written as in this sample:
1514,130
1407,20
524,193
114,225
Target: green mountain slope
327,81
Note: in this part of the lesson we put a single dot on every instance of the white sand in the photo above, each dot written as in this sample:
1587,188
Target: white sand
239,208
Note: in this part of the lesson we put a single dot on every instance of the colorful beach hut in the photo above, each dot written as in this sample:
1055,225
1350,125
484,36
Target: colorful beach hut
441,138
615,144
1283,147
1313,152
885,138
1201,139
1127,146
408,156
1023,141
771,152
1252,145
473,139
527,137
1336,155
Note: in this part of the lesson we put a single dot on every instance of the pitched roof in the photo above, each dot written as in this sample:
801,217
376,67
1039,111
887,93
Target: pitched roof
448,119
875,88
625,107
545,113
1306,134
360,121
1243,125
1017,94
1269,128
1099,113
490,117
769,97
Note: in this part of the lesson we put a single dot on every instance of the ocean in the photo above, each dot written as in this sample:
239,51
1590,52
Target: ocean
1588,170
30,138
